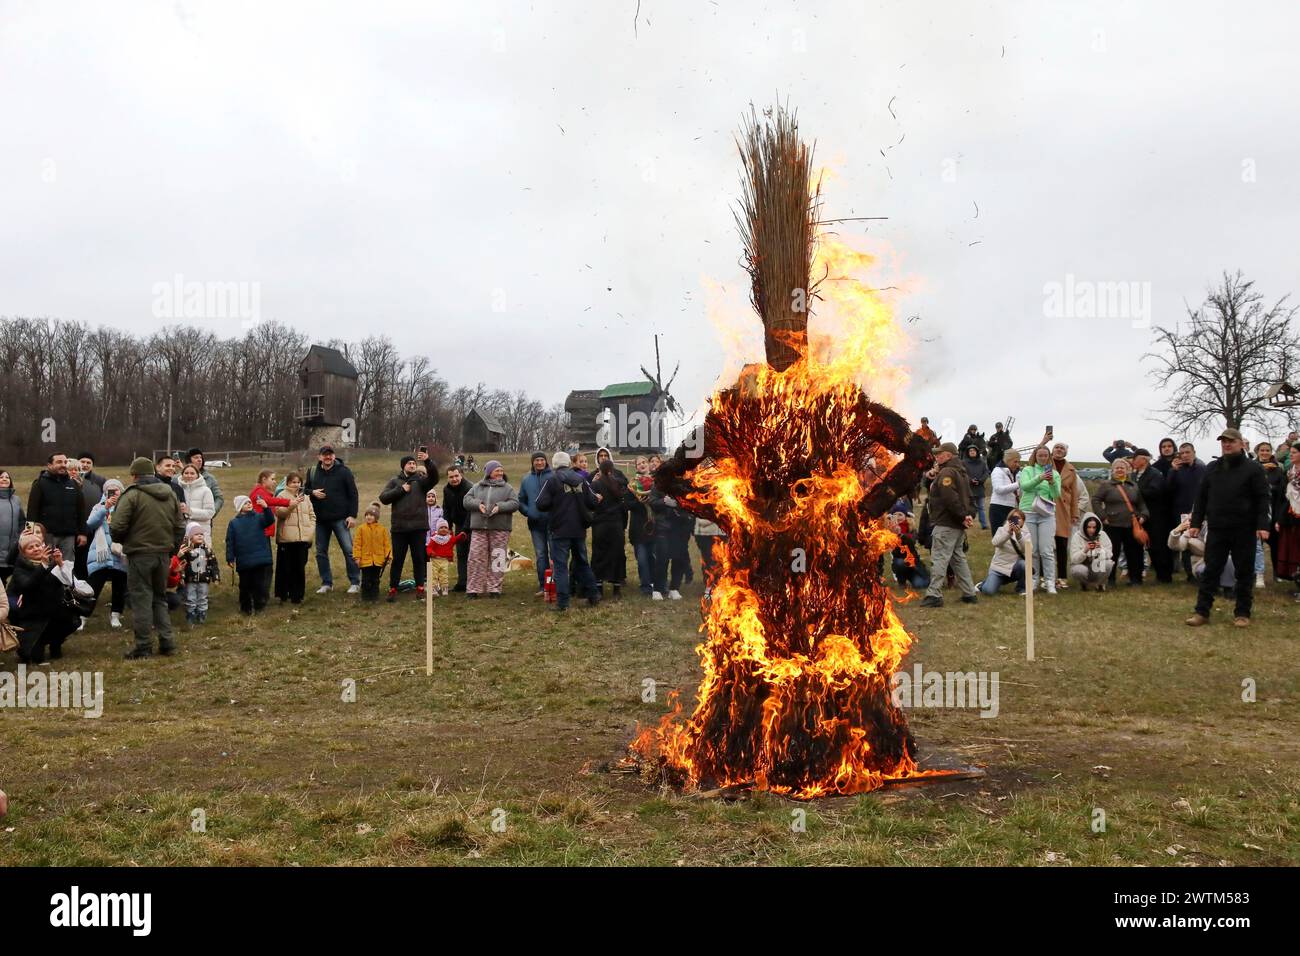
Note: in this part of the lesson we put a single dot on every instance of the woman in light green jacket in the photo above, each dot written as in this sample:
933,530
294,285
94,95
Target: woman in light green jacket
1040,489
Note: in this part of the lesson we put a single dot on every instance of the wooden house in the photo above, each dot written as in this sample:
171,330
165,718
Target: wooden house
481,432
327,389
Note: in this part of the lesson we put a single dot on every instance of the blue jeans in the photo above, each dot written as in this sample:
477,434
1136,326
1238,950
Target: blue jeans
340,530
645,564
560,549
915,577
542,550
995,580
979,510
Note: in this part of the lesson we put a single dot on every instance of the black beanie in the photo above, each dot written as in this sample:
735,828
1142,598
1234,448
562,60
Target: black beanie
405,459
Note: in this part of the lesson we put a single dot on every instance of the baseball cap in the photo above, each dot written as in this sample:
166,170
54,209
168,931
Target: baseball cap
949,447
327,449
1231,434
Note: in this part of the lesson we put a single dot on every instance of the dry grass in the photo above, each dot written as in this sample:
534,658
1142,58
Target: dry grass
247,724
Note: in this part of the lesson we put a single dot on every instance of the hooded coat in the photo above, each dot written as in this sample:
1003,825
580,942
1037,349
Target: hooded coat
1234,494
1098,560
102,553
203,507
978,470
1005,545
147,519
1067,505
560,498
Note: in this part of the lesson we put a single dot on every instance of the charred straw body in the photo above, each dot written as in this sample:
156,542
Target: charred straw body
795,695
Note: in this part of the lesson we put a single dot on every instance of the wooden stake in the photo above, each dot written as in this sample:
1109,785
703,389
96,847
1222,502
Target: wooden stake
1029,598
428,623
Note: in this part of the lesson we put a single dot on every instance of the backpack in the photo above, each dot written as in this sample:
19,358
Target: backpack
584,513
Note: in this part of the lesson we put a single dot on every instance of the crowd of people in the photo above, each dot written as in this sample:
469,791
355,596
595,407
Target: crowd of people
150,542
1156,511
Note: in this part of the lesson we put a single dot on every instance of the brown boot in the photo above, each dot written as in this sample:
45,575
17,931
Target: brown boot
1197,620
1242,622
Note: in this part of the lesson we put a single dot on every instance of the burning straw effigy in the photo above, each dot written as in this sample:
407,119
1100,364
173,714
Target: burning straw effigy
798,465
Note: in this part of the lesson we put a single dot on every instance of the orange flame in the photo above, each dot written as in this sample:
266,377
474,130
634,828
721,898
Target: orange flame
802,638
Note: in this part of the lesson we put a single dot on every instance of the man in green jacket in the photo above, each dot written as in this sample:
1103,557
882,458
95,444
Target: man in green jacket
148,523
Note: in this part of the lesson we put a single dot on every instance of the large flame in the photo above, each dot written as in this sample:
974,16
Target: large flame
801,633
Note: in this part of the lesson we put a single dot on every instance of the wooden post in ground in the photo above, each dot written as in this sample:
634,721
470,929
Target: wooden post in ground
428,622
1029,598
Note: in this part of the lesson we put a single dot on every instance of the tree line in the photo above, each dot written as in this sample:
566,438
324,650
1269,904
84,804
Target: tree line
71,388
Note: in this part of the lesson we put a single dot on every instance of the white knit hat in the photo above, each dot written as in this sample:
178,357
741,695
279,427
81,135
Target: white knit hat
561,460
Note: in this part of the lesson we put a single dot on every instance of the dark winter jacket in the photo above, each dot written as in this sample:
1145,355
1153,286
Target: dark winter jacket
12,521
529,489
978,471
1155,492
494,493
977,440
57,503
92,489
614,496
1183,484
950,502
999,445
560,498
1275,475
41,593
1234,494
147,519
410,513
199,566
1117,451
667,516
638,516
453,504
340,487
246,542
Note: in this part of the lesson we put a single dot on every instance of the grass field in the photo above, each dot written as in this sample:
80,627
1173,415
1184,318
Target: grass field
1126,711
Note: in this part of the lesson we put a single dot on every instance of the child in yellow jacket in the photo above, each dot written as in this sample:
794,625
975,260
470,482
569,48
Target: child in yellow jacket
372,549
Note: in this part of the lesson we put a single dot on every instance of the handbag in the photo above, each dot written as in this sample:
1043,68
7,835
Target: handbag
1139,533
8,637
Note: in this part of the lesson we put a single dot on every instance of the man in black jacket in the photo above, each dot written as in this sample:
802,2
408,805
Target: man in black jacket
1182,484
565,497
999,445
56,503
453,509
1234,501
333,492
405,494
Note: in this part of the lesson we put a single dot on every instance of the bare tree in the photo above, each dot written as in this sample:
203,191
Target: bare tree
1219,368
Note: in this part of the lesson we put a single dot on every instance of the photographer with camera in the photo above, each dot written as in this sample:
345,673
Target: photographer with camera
1008,564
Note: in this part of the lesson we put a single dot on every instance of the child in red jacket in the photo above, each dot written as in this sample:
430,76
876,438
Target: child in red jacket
263,496
442,552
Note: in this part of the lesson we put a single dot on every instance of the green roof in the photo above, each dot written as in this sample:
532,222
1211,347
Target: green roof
628,389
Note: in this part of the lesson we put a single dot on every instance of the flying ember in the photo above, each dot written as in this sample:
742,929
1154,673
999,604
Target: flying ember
798,465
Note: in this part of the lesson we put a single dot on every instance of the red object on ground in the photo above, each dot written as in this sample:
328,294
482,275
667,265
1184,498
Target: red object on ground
549,587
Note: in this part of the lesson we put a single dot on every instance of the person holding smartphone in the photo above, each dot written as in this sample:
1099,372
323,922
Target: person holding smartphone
1040,490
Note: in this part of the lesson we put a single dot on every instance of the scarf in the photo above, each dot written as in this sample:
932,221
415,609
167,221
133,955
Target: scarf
102,545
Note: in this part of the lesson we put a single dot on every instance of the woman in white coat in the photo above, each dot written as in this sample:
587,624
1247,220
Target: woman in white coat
199,504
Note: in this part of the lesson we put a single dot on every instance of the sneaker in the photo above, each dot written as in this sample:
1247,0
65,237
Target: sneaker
1051,587
324,589
541,593
1259,581
115,621
675,595
969,599
392,595
931,601
1062,584
354,589
1197,620
1241,622
656,596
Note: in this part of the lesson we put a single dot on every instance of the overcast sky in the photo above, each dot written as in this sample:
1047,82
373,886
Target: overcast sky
527,192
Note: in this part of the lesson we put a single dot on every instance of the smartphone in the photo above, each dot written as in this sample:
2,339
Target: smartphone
1050,430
